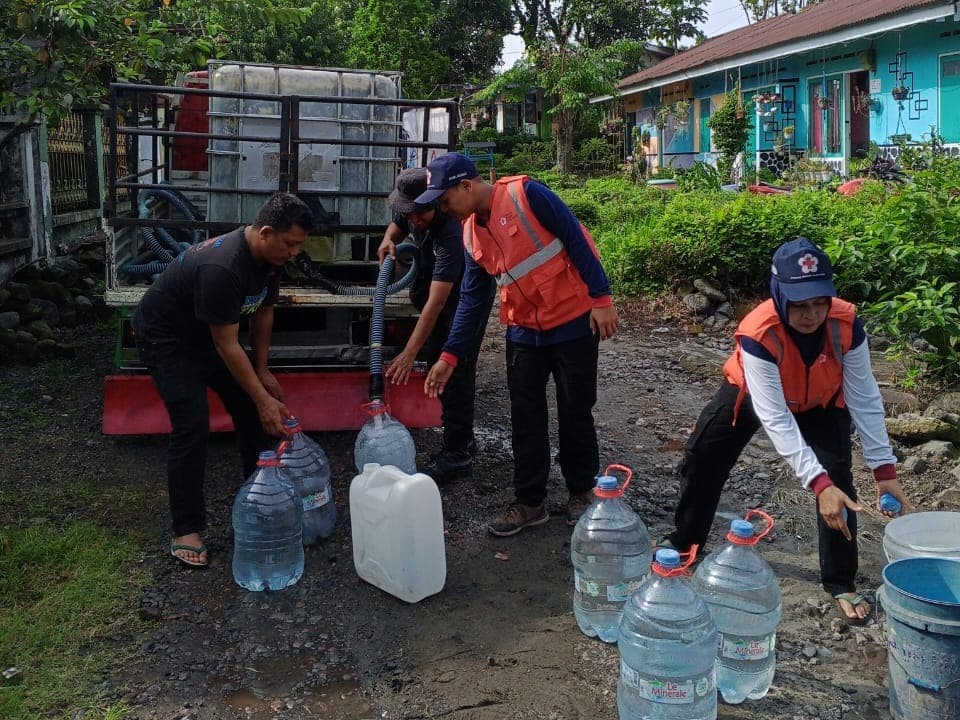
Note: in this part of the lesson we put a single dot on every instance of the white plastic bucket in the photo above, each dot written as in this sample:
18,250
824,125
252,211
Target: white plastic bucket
397,525
926,534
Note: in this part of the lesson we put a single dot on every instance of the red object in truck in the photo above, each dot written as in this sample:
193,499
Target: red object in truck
320,400
190,153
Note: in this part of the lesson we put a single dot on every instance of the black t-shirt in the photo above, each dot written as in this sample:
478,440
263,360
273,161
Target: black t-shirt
441,256
214,283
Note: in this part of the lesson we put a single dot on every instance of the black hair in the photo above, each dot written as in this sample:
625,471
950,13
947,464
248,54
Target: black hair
282,211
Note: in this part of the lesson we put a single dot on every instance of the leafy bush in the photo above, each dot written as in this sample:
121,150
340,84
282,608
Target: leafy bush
700,177
894,250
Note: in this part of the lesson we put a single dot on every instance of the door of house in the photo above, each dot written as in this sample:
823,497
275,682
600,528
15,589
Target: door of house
827,110
704,125
950,97
859,140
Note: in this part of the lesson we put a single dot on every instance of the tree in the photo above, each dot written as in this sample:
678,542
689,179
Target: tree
674,20
757,10
570,75
57,54
470,34
320,39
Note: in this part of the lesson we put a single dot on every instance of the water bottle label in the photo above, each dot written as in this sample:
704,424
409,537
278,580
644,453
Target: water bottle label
315,500
668,692
618,593
737,648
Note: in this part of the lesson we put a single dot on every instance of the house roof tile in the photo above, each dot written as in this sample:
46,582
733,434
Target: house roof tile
818,19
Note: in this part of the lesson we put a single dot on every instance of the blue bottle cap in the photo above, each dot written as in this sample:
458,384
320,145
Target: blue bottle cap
607,482
668,558
888,503
742,528
268,455
291,422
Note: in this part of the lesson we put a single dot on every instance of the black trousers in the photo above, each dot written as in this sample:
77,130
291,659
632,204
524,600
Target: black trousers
573,366
182,376
457,403
713,449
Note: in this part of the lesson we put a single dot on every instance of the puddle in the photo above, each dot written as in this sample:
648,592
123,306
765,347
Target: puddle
298,686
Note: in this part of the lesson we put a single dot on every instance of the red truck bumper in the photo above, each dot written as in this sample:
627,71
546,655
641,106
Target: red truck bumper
321,401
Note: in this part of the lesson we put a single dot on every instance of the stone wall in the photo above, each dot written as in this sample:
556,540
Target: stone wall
41,301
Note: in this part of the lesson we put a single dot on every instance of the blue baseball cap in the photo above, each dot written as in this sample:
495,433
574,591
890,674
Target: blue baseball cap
444,173
802,271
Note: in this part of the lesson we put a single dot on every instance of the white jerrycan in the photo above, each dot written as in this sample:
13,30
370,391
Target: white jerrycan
397,524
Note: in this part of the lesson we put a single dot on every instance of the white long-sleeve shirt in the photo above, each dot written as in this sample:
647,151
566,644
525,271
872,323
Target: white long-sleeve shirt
861,394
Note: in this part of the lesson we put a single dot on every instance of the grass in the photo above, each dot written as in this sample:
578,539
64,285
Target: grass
62,590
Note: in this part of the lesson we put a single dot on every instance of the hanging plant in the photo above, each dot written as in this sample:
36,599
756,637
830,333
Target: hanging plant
861,102
680,112
900,92
663,117
824,102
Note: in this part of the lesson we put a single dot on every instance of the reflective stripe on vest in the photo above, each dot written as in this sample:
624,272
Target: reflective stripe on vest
541,256
527,225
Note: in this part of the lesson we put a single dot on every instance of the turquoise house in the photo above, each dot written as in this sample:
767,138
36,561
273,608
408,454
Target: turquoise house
840,74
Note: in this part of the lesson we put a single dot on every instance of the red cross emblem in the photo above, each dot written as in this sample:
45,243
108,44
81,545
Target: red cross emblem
808,264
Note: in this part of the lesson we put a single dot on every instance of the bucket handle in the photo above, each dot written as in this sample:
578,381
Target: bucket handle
917,682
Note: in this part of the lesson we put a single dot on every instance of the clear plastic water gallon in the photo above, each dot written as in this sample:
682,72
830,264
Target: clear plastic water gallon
267,530
668,649
610,552
305,464
743,595
383,440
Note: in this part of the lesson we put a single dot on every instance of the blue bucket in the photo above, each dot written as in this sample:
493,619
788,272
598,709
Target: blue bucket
921,597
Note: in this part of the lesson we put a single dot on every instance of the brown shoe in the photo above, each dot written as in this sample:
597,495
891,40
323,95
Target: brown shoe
577,505
516,518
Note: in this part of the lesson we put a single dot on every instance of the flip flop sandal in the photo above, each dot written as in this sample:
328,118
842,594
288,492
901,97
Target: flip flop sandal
198,549
854,599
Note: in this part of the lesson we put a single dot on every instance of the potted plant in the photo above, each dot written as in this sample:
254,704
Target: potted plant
788,131
824,102
900,93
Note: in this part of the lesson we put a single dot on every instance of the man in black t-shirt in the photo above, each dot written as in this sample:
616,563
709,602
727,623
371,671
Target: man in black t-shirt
435,293
187,332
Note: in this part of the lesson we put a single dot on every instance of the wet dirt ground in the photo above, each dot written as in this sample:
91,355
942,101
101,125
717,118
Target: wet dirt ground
500,641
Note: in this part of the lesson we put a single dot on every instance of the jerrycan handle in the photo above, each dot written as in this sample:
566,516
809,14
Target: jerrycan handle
753,512
603,493
684,569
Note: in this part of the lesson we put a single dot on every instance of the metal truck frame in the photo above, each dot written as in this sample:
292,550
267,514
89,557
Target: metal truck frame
320,343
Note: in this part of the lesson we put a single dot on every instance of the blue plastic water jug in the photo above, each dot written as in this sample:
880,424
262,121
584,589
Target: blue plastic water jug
385,441
304,463
668,648
267,530
610,551
743,595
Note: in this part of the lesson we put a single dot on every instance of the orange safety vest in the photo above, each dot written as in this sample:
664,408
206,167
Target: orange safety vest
539,286
804,388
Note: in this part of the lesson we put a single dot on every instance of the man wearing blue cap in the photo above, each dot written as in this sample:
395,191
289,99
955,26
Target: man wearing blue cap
555,300
435,293
801,370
